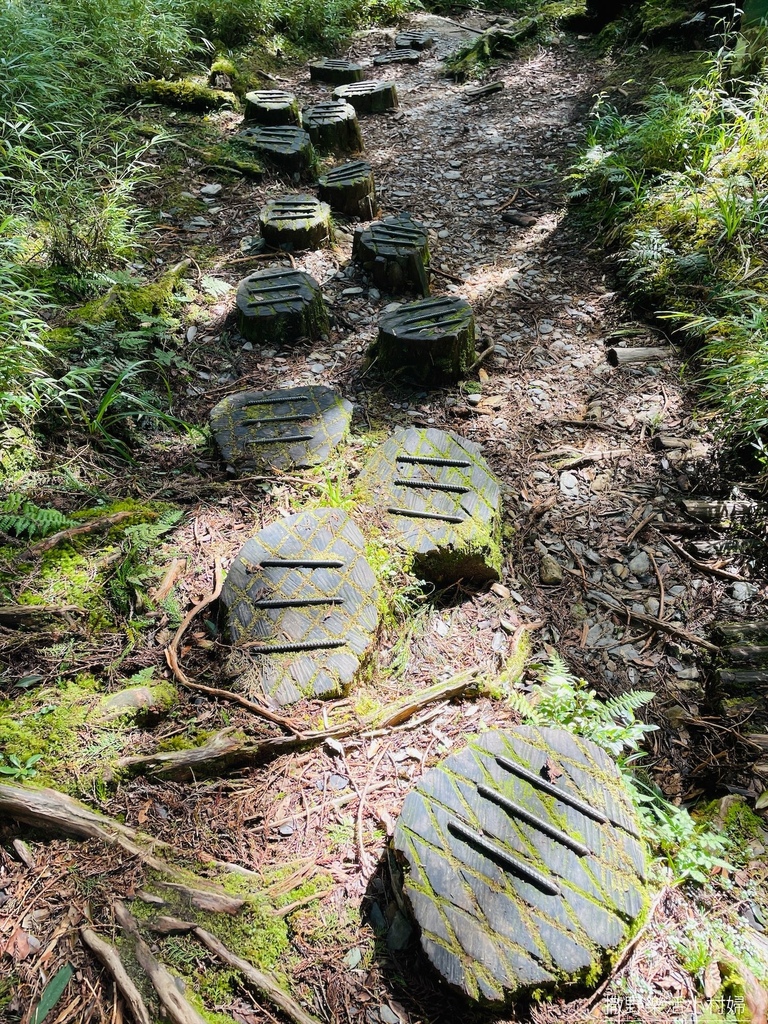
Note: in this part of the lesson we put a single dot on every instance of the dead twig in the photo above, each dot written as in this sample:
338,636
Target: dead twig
481,358
721,574
649,620
94,526
659,581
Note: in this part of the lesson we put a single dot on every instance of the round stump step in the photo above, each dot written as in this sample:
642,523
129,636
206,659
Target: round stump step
414,41
350,189
368,97
523,864
433,340
280,305
335,71
287,148
397,57
292,427
272,107
395,252
333,127
442,501
295,222
301,607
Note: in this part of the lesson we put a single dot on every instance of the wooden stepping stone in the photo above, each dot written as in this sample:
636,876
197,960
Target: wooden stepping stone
258,431
394,251
333,127
524,866
368,97
335,71
295,222
285,147
272,107
397,57
442,502
414,41
433,340
301,607
280,305
350,189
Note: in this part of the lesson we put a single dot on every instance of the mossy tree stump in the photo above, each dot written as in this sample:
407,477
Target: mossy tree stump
281,305
433,340
272,107
296,222
333,127
523,864
337,72
368,97
301,604
287,148
443,504
395,252
350,189
184,94
291,427
414,41
397,57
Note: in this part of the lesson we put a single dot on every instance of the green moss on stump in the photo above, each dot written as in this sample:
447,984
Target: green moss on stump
184,94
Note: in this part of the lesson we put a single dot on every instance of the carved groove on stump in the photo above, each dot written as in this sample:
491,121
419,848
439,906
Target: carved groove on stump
350,189
394,251
514,886
280,305
434,340
333,127
369,97
287,148
335,71
443,503
263,430
414,41
272,107
301,603
397,57
295,222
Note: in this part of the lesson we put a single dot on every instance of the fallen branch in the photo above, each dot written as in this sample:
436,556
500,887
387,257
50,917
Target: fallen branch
619,356
650,621
481,358
721,574
14,612
94,526
109,956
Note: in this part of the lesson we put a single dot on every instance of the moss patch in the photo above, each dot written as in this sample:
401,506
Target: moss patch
184,94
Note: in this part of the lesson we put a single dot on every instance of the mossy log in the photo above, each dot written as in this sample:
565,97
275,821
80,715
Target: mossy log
333,127
284,147
350,189
335,71
498,39
184,94
272,107
395,252
279,306
369,97
432,340
296,222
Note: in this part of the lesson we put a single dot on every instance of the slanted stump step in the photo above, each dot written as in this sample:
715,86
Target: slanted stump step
414,41
524,866
285,147
368,97
290,427
272,107
333,127
433,340
280,305
301,607
397,57
442,503
337,72
350,189
395,252
295,222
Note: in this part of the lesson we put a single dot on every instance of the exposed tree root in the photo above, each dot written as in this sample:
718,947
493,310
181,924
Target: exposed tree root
110,958
499,39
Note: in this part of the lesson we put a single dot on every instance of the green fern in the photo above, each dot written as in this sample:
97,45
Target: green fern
136,571
22,518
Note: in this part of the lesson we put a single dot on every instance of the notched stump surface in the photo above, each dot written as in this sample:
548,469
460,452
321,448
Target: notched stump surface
292,427
404,56
272,107
335,71
350,189
414,41
432,340
395,253
369,97
523,863
301,604
281,305
333,127
442,502
295,222
287,148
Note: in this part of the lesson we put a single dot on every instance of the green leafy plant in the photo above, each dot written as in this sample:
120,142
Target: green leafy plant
13,767
22,518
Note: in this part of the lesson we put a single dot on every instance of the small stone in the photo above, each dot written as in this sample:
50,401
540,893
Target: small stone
640,564
569,485
387,1015
652,606
398,937
742,592
211,190
500,590
474,399
550,571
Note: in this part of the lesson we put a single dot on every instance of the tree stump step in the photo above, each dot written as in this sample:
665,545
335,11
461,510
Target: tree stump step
301,607
335,71
258,431
414,41
523,864
368,97
395,252
281,305
443,504
295,222
433,340
397,57
333,127
284,147
272,107
350,189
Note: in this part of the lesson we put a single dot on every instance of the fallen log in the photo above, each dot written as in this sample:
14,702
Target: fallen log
620,356
724,512
497,39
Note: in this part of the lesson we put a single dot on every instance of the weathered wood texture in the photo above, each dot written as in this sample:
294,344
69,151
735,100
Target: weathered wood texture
369,97
350,189
280,305
395,253
432,341
295,222
333,127
271,107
